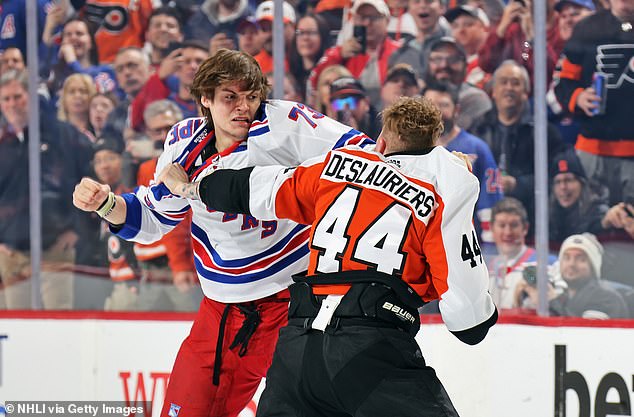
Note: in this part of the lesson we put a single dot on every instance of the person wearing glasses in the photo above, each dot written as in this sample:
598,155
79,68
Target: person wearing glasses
351,106
447,63
312,38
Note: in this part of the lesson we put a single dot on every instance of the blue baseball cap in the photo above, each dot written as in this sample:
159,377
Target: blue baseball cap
588,4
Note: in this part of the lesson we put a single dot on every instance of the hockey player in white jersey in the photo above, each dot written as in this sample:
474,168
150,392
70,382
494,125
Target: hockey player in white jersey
244,265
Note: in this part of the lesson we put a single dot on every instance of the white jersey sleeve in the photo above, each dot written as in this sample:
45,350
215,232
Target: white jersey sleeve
462,277
153,211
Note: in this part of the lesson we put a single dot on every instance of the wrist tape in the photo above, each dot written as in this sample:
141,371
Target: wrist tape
107,206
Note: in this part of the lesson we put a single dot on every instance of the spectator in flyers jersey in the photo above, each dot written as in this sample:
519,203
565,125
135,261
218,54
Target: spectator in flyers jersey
244,264
605,144
389,232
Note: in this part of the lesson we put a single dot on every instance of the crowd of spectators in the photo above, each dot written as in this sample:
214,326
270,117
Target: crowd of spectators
115,76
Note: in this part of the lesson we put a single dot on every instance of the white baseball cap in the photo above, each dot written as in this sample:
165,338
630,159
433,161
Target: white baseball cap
265,12
379,5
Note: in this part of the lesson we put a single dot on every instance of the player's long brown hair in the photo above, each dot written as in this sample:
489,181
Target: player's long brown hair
227,66
415,120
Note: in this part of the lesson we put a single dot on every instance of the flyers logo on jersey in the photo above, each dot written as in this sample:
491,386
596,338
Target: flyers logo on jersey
616,62
112,18
382,177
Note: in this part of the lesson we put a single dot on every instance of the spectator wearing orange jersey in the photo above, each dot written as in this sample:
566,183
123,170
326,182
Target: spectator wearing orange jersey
119,23
264,17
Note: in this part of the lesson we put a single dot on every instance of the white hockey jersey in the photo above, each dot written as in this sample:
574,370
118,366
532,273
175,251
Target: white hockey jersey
238,258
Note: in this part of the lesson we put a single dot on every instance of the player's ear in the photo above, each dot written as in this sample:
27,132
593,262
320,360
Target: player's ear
205,101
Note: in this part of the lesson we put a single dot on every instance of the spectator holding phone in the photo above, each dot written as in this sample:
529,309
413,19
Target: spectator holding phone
369,65
164,29
509,226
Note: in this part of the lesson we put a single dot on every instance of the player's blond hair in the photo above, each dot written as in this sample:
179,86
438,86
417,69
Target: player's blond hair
416,121
228,66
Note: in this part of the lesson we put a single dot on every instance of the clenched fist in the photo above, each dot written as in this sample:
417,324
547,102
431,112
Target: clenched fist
89,194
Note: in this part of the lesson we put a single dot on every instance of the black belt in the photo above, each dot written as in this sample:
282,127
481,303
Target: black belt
365,304
338,322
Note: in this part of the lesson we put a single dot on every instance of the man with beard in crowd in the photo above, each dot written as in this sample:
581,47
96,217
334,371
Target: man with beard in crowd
447,63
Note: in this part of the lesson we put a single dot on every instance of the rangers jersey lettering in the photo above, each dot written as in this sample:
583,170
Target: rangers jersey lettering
238,257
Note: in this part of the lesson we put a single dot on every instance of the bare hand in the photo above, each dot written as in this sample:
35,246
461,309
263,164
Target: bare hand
219,41
185,280
512,12
175,178
620,216
89,194
54,18
142,149
522,291
170,64
56,14
67,51
6,250
465,159
350,48
508,183
588,101
526,21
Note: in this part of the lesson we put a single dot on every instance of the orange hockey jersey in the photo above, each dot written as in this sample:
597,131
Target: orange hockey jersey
119,24
407,215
